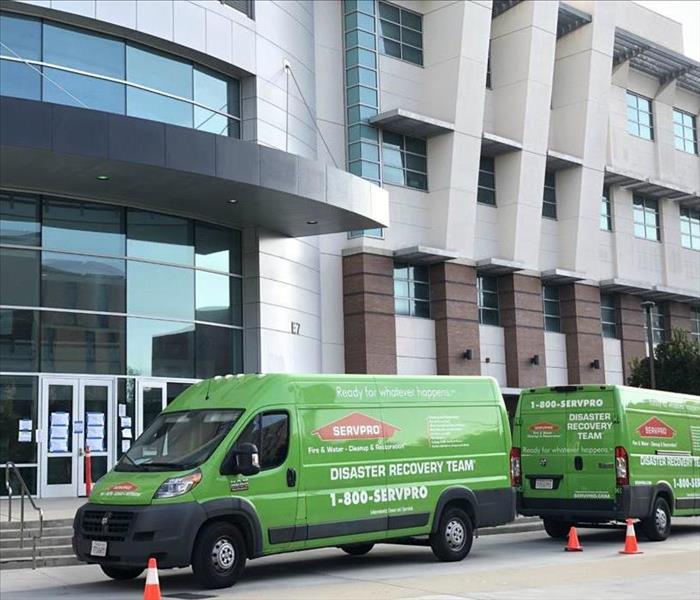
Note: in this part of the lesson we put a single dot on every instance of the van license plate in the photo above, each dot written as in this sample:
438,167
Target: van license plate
98,548
542,484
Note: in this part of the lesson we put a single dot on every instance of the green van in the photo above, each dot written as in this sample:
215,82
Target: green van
248,466
591,454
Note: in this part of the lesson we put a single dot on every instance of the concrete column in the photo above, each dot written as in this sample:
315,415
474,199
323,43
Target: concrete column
631,328
677,317
368,308
453,307
520,299
580,319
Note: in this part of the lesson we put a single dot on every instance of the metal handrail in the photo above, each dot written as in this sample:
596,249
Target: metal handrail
24,491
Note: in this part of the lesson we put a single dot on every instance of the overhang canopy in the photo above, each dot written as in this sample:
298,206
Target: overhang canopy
652,188
498,266
649,292
657,61
561,276
570,19
423,255
556,161
493,145
63,150
410,123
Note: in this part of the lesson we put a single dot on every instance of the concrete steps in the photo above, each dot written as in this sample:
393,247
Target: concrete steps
53,548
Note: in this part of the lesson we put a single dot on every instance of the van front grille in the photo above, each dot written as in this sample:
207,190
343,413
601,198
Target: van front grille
106,524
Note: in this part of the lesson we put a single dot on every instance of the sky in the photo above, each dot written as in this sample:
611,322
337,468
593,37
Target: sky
688,13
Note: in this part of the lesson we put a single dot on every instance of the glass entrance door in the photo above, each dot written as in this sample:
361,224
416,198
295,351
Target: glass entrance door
151,399
75,414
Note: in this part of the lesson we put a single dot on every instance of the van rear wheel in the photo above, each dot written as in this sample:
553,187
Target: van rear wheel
357,549
559,530
657,526
453,538
219,555
121,573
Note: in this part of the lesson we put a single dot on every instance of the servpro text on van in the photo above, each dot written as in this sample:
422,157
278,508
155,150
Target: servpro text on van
247,466
593,454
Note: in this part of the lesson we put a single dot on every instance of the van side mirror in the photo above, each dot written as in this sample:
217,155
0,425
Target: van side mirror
244,460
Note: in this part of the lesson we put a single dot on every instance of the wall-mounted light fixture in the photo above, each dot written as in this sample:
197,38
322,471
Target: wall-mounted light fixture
595,364
487,360
467,354
535,359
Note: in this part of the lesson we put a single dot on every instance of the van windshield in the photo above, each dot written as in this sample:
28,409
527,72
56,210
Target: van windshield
178,440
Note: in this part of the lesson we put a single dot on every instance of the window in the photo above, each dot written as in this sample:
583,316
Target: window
159,348
82,282
487,291
19,340
695,324
247,7
552,313
376,232
217,351
658,325
640,121
401,33
404,161
646,218
270,433
105,73
411,290
159,237
690,228
549,196
19,219
22,39
160,290
486,192
685,131
19,277
606,217
488,68
83,51
608,316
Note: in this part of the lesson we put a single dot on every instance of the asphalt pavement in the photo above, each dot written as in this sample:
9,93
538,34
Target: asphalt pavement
519,565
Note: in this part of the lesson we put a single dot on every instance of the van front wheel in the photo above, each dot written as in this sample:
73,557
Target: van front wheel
657,526
121,573
559,530
219,555
453,539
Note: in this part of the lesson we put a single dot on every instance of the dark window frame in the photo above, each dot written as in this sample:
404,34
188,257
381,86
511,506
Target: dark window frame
695,324
405,155
549,205
689,131
643,207
482,292
412,299
641,106
608,316
484,193
403,30
606,210
552,319
690,228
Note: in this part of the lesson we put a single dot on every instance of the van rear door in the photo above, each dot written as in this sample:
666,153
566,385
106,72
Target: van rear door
591,440
543,440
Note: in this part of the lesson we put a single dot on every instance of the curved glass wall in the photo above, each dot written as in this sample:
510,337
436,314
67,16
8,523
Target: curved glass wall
42,60
102,289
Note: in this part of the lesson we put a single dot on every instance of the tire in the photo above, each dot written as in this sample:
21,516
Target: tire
657,526
121,573
559,530
219,555
453,538
357,549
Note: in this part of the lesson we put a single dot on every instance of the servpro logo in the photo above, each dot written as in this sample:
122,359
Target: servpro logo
544,427
355,427
656,428
127,486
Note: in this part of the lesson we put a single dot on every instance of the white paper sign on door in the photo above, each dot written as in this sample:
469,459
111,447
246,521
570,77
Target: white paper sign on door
95,418
58,445
59,418
25,425
95,444
24,436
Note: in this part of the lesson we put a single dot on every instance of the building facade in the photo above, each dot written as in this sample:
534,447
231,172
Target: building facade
199,188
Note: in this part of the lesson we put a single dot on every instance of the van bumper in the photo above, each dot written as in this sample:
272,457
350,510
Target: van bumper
634,502
136,533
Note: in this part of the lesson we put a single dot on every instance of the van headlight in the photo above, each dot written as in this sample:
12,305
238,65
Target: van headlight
176,486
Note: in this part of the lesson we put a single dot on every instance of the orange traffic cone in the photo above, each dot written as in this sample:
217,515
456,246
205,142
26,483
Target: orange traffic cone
152,589
573,545
631,546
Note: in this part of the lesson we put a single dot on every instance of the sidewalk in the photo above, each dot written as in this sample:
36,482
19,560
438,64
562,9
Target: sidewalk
54,508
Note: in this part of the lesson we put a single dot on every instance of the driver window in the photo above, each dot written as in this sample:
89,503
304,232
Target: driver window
270,433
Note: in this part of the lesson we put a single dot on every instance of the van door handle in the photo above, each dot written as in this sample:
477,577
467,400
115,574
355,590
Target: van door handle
578,463
291,477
